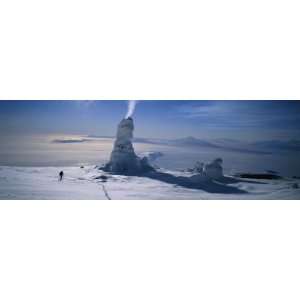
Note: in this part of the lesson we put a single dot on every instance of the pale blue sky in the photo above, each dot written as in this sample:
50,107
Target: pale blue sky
242,120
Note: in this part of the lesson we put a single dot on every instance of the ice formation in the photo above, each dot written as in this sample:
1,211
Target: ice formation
214,169
209,171
123,159
152,155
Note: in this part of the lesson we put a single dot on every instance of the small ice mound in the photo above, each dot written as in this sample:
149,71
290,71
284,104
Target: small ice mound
123,159
214,170
152,155
207,172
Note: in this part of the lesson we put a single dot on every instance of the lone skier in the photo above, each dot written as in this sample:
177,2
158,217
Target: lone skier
61,175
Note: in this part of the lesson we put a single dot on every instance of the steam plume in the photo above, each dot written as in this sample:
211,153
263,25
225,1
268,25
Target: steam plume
131,108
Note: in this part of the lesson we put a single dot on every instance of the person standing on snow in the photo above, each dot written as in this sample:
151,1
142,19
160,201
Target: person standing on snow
61,175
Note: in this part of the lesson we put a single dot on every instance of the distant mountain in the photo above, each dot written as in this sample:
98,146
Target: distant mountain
259,147
230,143
150,141
290,145
262,147
225,144
191,141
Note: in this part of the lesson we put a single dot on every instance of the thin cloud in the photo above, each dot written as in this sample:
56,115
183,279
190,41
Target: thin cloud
69,141
243,114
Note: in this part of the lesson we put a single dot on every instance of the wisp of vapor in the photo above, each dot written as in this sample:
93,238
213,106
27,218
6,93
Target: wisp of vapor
131,108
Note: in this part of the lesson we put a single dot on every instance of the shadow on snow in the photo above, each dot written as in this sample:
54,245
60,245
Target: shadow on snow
219,187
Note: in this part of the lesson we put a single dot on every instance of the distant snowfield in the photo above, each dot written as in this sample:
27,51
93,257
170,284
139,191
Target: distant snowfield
81,183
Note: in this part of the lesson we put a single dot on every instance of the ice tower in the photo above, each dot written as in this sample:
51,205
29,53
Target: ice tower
123,159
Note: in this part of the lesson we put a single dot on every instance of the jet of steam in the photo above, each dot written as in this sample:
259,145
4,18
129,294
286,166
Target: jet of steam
131,108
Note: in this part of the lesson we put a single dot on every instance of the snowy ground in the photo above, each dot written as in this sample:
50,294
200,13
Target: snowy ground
78,183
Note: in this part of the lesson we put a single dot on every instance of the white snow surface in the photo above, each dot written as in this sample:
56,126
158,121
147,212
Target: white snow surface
81,183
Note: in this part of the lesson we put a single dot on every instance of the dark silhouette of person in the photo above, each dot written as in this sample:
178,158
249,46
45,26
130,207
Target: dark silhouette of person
61,175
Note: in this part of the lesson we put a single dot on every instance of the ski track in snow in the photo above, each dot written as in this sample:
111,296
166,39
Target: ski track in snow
105,192
81,184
